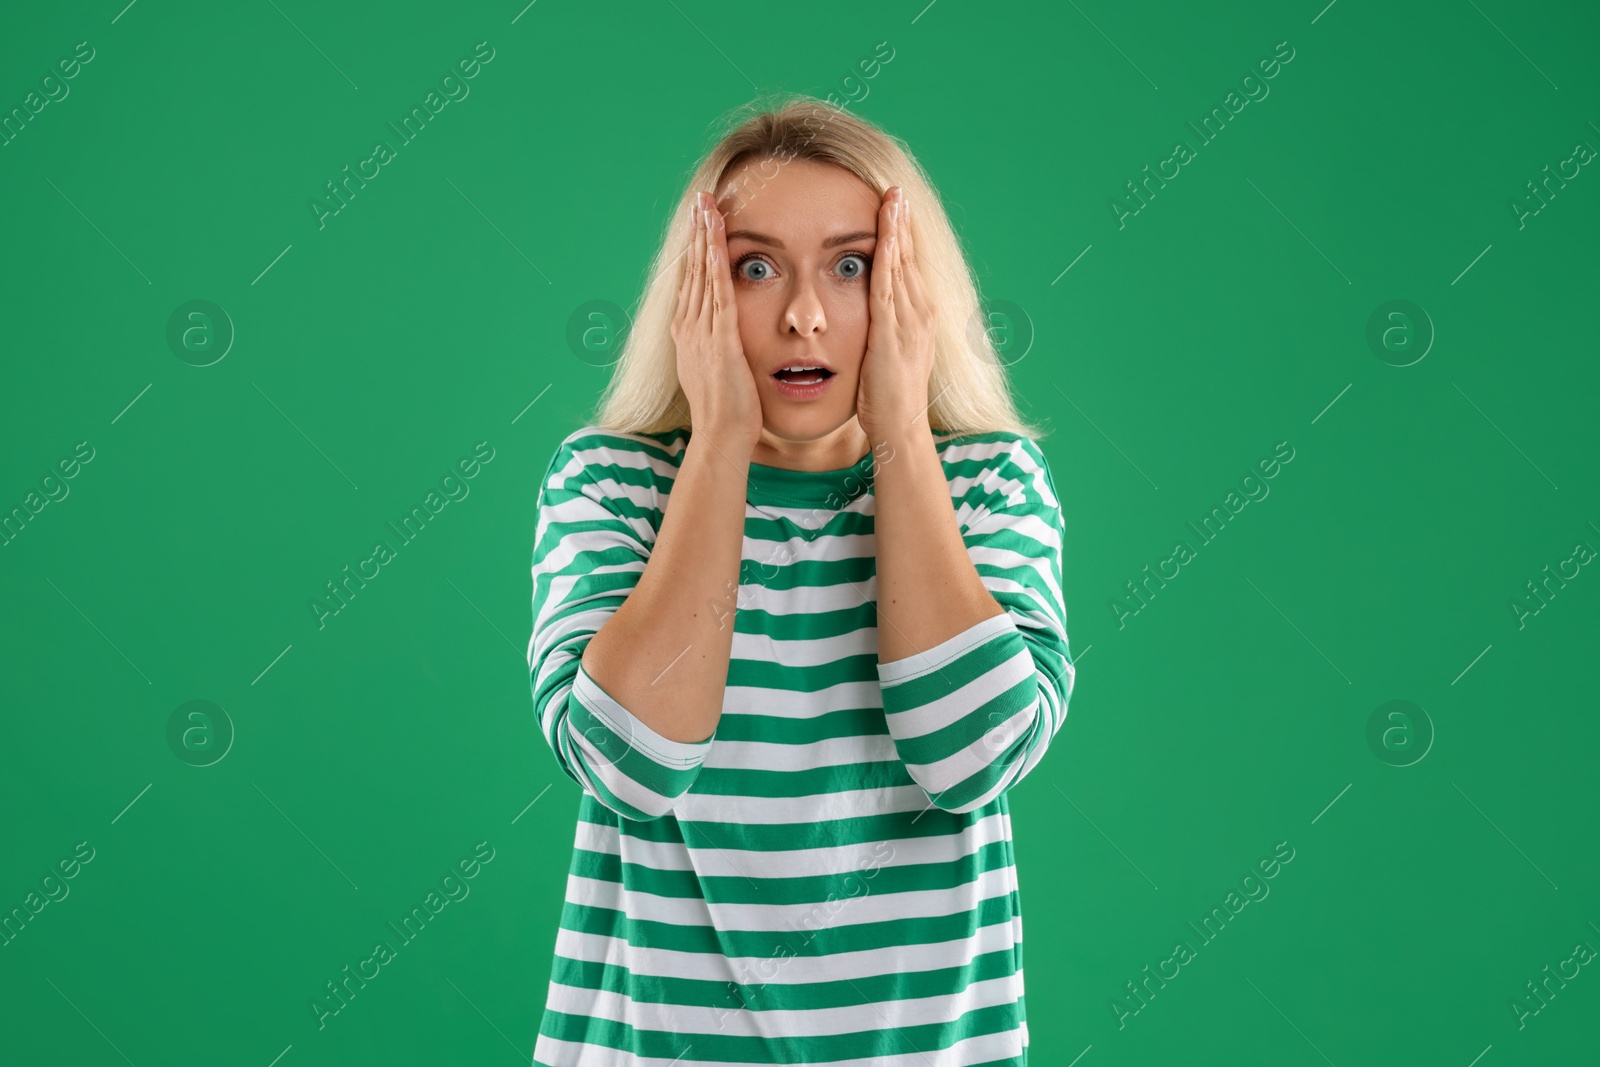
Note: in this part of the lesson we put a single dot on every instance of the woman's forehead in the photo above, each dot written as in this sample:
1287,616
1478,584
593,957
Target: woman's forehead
804,199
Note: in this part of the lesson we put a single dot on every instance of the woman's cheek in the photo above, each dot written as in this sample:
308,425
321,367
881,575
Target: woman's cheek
851,322
853,310
747,313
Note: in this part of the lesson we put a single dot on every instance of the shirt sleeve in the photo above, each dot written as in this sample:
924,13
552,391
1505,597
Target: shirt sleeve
594,536
973,715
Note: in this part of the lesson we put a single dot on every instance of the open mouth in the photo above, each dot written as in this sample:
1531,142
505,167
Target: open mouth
803,375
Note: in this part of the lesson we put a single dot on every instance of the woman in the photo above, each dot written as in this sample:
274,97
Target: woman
798,625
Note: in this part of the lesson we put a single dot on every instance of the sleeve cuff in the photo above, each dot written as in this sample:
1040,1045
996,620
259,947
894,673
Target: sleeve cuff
921,663
633,730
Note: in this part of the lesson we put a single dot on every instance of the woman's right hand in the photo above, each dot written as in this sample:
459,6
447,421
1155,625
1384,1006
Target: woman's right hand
716,378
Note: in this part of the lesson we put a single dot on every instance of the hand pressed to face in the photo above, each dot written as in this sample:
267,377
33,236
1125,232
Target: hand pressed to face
712,370
895,371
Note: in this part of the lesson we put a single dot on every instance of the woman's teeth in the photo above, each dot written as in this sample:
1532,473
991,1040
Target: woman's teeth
807,376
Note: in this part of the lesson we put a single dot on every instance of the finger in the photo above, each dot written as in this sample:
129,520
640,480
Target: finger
688,266
708,270
904,309
913,270
882,286
721,274
697,265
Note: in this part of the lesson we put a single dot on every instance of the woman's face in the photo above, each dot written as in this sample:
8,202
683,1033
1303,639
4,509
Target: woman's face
800,250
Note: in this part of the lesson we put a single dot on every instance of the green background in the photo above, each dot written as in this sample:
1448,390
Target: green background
1230,314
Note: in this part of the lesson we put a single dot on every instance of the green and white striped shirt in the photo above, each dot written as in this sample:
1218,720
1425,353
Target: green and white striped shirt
829,878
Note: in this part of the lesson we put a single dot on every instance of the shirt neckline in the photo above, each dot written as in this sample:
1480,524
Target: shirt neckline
834,489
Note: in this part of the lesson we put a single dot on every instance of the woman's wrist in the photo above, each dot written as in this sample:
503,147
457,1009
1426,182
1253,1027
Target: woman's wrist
899,432
733,446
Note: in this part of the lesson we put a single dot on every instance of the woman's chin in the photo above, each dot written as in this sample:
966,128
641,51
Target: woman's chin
810,424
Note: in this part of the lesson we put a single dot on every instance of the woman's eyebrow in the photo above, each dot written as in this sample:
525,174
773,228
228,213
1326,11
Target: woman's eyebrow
831,242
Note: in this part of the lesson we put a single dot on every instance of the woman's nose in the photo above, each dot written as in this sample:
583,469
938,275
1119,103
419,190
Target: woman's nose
804,311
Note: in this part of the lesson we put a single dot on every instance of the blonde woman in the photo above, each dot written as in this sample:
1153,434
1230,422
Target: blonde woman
797,627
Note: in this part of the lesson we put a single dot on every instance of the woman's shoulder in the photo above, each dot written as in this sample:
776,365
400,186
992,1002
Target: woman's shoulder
994,459
989,448
594,451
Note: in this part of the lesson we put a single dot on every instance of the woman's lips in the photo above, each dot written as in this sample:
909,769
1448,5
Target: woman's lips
802,391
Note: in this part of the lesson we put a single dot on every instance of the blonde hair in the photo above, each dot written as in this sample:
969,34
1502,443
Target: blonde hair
968,384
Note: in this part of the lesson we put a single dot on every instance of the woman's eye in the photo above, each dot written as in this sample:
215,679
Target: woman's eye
848,271
853,266
755,264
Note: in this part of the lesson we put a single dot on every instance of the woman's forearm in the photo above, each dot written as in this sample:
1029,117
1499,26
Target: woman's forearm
928,589
664,654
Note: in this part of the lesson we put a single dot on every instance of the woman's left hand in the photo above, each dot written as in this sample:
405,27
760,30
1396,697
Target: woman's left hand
893,394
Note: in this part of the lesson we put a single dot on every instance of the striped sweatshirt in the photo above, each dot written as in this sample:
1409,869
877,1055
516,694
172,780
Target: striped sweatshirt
828,878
